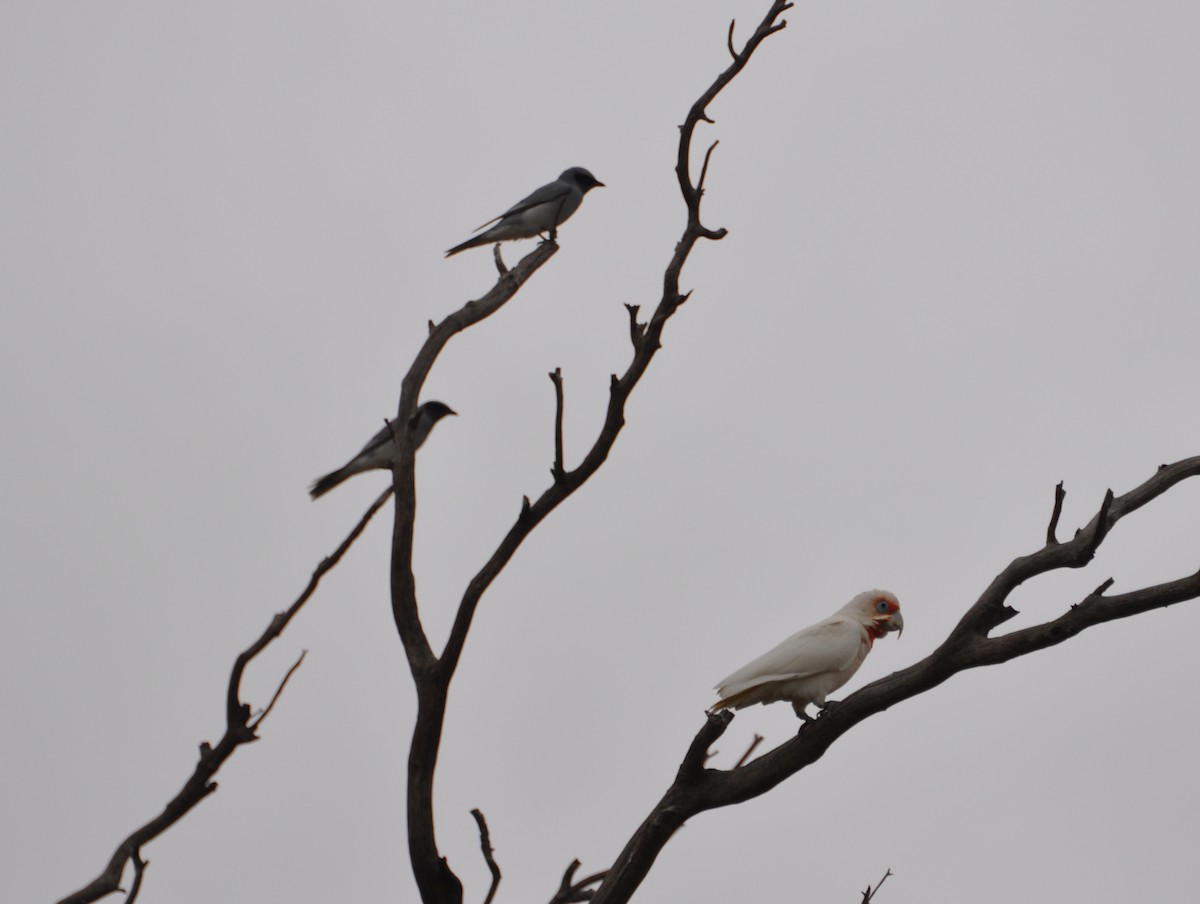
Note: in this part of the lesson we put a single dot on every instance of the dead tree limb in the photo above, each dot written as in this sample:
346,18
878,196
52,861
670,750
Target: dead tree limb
433,673
557,379
572,892
240,728
869,894
969,645
485,843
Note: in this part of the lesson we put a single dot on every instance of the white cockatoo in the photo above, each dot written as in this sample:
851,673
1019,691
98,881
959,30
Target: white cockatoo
816,661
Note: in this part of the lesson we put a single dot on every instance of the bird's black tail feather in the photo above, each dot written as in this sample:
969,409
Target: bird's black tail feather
470,243
323,485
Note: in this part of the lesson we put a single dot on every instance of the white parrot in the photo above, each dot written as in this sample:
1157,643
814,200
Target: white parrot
816,661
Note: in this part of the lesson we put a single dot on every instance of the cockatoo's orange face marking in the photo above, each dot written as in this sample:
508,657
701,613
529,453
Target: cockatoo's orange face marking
885,617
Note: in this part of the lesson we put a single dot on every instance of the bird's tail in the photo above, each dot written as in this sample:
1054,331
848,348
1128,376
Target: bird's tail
731,702
323,485
484,239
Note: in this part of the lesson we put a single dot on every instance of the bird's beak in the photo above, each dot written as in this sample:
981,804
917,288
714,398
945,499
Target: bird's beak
897,624
452,411
599,185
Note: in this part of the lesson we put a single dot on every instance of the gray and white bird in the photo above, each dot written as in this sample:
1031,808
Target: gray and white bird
380,452
544,210
816,661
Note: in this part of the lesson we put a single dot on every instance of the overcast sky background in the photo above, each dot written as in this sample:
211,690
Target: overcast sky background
962,266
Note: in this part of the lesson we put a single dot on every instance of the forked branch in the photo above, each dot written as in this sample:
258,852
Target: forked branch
573,892
432,673
968,646
869,894
240,728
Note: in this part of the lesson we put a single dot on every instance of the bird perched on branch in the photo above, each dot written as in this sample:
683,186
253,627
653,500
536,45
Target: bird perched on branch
380,452
816,661
543,211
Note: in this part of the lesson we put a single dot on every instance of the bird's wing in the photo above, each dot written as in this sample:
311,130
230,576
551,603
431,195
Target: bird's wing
543,195
827,646
377,441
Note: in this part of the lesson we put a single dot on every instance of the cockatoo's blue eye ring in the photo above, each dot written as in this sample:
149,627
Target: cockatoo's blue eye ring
882,606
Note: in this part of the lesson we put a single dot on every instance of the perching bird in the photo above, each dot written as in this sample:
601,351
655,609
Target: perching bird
816,661
380,452
544,210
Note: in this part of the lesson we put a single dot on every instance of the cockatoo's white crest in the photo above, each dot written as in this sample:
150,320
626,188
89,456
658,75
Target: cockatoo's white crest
816,661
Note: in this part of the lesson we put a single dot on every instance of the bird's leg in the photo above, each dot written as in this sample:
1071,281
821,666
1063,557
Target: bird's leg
554,223
800,709
827,706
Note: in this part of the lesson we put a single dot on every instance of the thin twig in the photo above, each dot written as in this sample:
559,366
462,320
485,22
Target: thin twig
485,843
139,869
279,690
704,167
557,469
636,330
572,892
729,39
1100,530
1052,531
870,892
758,739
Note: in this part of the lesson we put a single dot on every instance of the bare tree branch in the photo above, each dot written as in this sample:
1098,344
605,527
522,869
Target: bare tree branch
636,330
1052,531
279,690
557,469
485,842
432,674
572,892
968,646
431,677
869,894
704,168
239,730
758,739
139,870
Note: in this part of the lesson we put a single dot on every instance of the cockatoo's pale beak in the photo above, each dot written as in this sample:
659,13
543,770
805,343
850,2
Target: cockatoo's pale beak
897,624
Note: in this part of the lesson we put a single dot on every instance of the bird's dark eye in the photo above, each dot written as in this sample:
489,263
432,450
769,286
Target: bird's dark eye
881,606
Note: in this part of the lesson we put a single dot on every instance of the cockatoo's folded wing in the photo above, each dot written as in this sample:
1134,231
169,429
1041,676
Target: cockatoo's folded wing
828,646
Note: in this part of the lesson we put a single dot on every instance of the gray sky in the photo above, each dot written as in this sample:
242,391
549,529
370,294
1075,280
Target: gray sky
961,267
